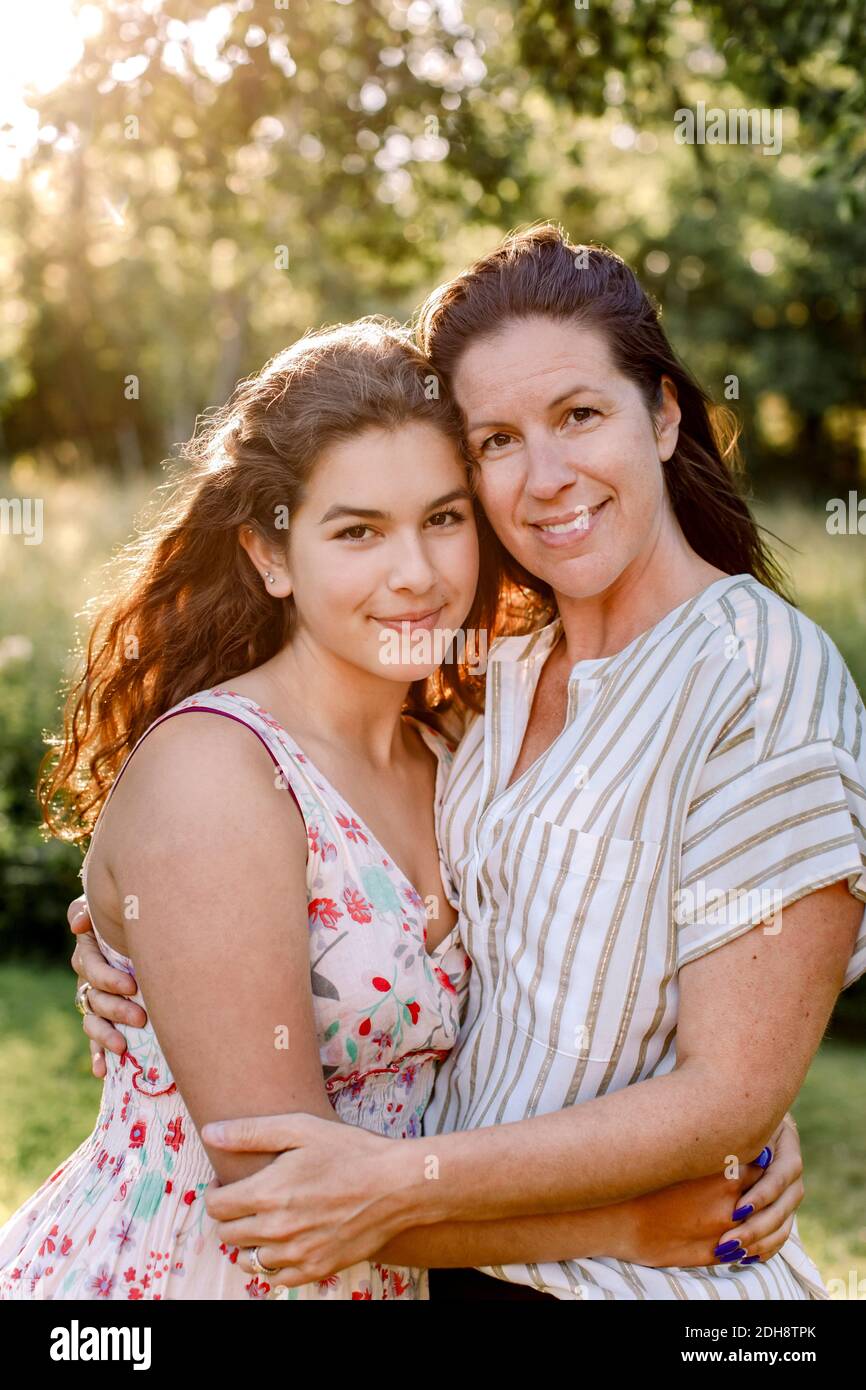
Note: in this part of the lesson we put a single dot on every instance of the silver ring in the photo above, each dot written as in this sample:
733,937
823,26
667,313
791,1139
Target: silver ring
82,1003
258,1267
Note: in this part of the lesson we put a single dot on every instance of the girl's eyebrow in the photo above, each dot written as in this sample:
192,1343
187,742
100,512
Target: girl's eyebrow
572,391
340,509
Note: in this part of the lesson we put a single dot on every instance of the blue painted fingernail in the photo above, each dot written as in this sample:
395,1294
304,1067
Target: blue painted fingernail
750,1259
728,1246
731,1259
741,1213
765,1157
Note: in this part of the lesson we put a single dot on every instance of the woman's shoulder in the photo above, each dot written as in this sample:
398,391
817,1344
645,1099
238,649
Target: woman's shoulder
801,687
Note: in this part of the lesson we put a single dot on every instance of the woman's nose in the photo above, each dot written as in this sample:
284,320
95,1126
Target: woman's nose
548,469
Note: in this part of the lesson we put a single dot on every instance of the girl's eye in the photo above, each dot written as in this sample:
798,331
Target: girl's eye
351,533
450,514
584,410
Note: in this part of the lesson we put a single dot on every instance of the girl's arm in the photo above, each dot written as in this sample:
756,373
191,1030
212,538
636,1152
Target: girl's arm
752,1013
213,858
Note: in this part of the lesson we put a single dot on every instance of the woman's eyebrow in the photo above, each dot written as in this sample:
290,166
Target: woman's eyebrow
572,391
339,509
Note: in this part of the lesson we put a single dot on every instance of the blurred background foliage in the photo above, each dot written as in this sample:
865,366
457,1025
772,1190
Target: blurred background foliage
188,187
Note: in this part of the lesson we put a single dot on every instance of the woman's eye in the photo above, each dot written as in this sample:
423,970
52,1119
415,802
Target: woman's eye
499,440
584,410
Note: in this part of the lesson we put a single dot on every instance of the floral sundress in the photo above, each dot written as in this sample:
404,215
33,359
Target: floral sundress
124,1216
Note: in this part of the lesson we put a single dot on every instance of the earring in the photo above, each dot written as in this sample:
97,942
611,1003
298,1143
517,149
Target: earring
269,577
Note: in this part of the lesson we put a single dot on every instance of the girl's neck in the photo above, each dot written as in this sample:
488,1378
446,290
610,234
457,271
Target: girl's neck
324,700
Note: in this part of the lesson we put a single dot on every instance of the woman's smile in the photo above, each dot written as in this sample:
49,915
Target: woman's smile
572,528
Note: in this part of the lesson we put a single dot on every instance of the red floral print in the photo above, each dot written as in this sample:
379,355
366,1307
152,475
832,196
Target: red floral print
358,909
174,1134
325,911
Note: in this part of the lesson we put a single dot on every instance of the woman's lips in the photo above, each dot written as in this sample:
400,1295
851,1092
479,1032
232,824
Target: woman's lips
572,532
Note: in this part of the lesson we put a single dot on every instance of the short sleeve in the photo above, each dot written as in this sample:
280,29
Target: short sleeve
779,808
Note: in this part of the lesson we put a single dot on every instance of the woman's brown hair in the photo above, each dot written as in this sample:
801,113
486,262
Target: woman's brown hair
187,608
539,273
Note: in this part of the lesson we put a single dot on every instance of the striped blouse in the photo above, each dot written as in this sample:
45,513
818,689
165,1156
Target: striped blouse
707,775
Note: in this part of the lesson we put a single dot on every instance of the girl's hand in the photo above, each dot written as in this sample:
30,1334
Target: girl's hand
774,1198
692,1223
105,998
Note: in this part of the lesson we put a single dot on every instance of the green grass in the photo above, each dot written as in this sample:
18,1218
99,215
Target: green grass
828,573
831,1114
49,1097
49,1101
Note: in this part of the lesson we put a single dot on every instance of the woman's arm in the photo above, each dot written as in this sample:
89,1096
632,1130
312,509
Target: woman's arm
678,1225
213,858
752,1014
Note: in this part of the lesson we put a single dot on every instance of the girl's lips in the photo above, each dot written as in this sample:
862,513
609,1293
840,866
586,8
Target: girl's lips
426,622
585,524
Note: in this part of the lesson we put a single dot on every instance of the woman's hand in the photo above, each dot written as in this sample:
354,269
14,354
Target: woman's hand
105,998
308,1221
301,1209
691,1223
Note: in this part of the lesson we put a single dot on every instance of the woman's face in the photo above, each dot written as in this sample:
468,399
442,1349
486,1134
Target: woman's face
383,550
570,466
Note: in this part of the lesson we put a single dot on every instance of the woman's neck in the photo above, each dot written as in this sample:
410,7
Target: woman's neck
652,586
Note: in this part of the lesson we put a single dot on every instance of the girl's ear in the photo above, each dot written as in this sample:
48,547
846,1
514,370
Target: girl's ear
269,562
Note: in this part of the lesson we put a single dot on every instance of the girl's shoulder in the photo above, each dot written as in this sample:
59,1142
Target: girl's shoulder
183,761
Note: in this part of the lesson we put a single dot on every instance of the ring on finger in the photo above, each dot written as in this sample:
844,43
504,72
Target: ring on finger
257,1266
82,1002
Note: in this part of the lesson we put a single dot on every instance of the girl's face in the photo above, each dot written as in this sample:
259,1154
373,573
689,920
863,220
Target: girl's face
570,465
383,550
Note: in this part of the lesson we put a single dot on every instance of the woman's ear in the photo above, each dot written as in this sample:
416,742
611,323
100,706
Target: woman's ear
667,420
269,562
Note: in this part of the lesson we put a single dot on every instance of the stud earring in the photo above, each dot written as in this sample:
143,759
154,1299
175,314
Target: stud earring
269,577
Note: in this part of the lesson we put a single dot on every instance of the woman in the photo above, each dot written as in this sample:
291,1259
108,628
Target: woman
349,992
656,828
